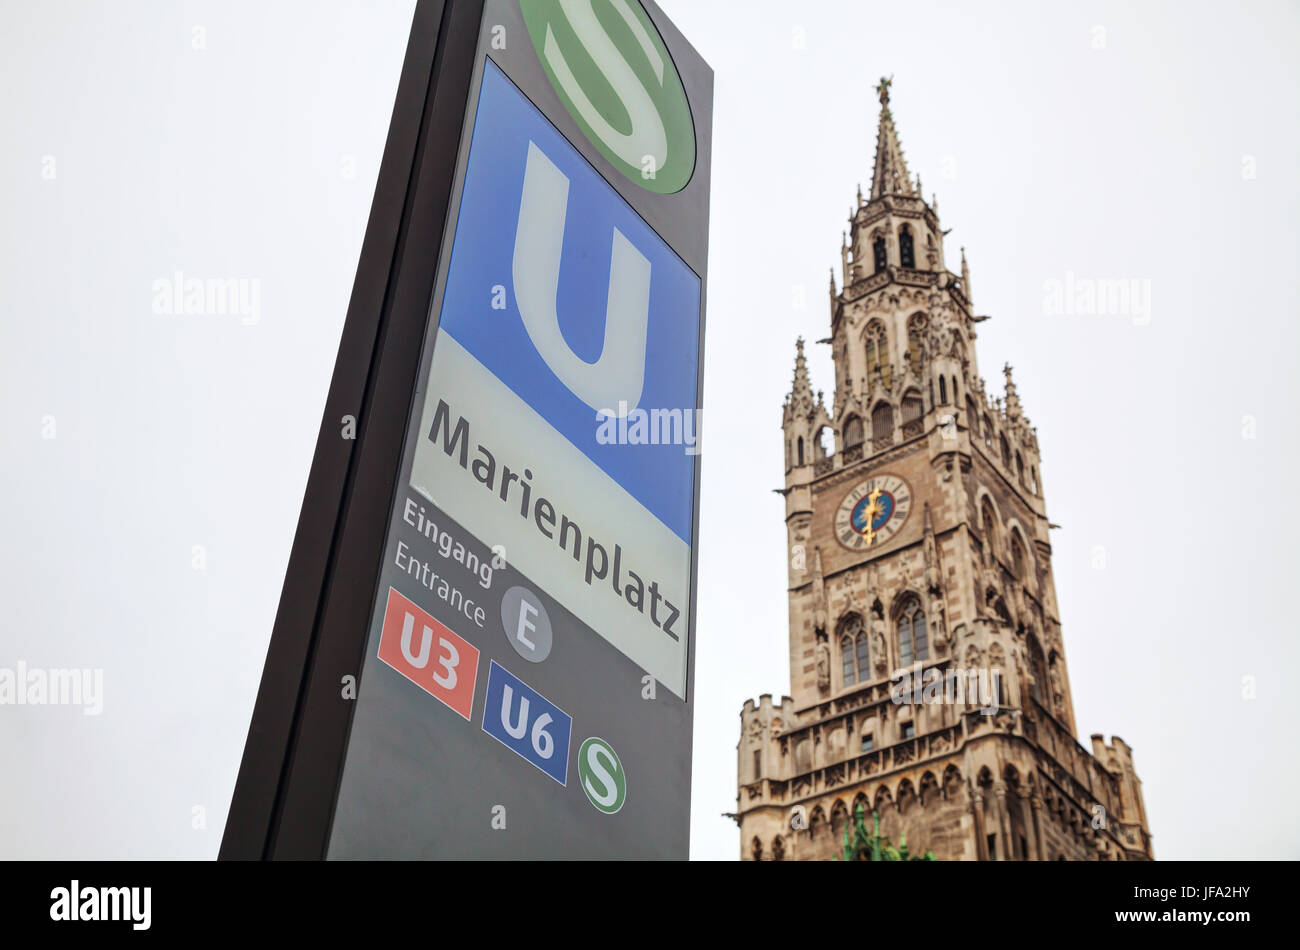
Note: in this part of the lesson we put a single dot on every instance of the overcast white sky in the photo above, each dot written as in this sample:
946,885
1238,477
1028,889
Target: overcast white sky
1169,154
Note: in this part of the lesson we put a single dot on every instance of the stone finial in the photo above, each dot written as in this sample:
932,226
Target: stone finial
882,89
801,395
965,279
1013,398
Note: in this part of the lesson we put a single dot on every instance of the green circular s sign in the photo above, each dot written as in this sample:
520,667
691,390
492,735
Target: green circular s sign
613,73
602,776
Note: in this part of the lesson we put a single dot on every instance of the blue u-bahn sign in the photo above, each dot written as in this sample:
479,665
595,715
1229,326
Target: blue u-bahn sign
594,321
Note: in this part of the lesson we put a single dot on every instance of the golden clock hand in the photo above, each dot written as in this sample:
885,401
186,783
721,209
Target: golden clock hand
869,515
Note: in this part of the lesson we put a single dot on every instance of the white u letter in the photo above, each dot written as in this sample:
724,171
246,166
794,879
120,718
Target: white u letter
614,382
507,700
426,642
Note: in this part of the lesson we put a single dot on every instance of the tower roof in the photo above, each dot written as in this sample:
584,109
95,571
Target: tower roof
890,176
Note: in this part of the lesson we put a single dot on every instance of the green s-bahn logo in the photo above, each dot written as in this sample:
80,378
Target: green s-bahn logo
611,69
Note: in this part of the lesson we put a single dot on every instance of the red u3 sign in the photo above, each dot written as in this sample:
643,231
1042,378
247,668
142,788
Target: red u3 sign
428,653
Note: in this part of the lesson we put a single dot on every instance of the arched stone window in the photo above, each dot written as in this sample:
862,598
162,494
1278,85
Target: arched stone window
1020,469
906,251
988,432
913,411
913,407
882,425
972,417
778,849
864,657
929,790
1017,556
906,797
855,651
800,450
860,801
989,527
956,399
839,819
756,848
943,391
913,643
1033,479
820,442
952,783
852,432
877,354
878,254
817,823
1006,451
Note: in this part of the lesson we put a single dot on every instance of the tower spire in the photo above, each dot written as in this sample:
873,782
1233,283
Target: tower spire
965,277
890,176
801,394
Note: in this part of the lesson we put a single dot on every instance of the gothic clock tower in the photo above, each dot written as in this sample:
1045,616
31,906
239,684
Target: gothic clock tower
918,542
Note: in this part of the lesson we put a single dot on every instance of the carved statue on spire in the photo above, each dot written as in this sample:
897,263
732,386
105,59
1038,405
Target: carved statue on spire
874,617
879,649
935,609
882,89
819,594
823,667
1058,689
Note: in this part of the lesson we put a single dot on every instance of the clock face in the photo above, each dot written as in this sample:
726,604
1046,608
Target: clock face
873,512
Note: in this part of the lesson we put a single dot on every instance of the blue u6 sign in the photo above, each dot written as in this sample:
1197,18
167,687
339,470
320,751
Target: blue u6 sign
560,420
526,722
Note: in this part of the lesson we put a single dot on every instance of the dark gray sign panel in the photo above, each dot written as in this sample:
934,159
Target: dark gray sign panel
523,686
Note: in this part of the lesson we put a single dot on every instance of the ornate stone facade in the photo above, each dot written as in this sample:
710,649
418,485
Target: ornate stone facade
919,540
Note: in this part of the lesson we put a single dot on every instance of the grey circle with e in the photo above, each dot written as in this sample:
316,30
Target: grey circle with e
527,627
